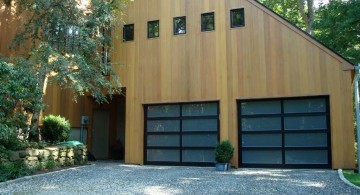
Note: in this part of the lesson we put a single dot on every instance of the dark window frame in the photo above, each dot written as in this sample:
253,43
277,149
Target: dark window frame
174,25
132,37
232,12
180,133
283,132
148,29
203,18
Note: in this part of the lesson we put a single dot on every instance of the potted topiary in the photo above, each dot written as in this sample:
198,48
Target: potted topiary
224,151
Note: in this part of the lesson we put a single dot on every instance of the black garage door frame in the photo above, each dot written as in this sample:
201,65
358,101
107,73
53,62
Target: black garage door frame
282,132
181,133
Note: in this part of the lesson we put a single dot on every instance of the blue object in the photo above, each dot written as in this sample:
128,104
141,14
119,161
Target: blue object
70,143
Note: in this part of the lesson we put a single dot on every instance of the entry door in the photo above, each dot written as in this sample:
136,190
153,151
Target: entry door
292,132
100,147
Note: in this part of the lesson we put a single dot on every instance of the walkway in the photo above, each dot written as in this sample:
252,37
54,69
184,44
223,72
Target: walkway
114,178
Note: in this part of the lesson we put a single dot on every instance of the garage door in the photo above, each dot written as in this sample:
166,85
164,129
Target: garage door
292,132
181,134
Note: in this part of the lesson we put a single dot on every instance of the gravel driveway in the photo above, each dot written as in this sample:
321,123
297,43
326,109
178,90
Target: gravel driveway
114,178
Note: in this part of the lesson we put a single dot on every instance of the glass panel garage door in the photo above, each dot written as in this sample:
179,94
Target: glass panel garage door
181,134
292,132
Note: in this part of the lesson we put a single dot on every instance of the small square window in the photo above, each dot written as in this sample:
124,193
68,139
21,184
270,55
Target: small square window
208,22
153,29
237,18
180,25
128,32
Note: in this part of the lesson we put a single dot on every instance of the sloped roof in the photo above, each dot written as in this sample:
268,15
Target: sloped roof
346,65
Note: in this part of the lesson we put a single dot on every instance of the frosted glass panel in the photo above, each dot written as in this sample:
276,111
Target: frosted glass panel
205,109
261,107
305,123
261,124
163,125
163,140
306,157
262,156
208,140
163,111
163,155
200,125
198,156
306,140
305,105
263,140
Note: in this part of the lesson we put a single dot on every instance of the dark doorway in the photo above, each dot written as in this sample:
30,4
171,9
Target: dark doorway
100,147
108,129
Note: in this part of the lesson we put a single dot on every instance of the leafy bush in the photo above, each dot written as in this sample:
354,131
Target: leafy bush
224,151
3,153
51,164
55,128
20,93
9,138
13,170
19,96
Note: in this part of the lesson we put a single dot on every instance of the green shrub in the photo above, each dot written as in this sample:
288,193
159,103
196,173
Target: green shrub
55,128
51,164
4,154
224,151
9,138
13,170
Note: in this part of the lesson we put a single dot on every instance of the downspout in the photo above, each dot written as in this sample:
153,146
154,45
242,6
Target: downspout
357,110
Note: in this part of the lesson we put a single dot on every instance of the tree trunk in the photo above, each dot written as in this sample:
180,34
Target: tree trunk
36,115
307,14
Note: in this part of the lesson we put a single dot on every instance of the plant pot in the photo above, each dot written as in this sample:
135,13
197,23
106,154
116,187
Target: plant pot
223,166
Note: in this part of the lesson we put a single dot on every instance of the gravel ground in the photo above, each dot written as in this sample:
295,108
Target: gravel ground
115,178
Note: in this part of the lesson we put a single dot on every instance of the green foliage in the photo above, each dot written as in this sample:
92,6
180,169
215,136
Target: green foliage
51,164
67,163
55,128
19,97
9,138
19,92
356,150
288,9
224,151
66,37
13,170
208,22
352,177
338,26
3,153
153,29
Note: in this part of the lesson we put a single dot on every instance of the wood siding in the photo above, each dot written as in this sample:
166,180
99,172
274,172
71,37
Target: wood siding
266,58
62,102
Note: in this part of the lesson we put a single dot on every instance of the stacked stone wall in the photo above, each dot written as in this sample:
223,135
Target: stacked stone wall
63,155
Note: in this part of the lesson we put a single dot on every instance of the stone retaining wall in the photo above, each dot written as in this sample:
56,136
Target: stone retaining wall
63,155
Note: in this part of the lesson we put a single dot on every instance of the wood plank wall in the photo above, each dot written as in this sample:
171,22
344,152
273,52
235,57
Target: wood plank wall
9,24
266,58
62,102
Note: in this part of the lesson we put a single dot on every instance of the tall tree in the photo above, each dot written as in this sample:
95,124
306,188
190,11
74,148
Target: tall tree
338,26
299,12
68,41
